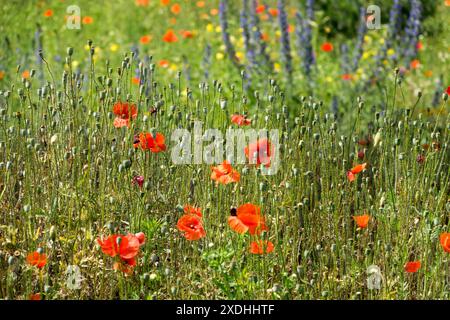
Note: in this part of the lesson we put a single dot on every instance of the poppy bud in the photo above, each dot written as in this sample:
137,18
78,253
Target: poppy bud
69,51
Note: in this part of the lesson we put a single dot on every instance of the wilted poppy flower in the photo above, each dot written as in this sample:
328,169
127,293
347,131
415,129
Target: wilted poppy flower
224,173
412,266
327,47
362,221
48,13
240,120
175,9
259,152
145,39
87,20
261,247
420,159
138,180
247,218
355,170
361,154
126,247
192,210
37,259
445,241
124,112
191,226
146,141
170,36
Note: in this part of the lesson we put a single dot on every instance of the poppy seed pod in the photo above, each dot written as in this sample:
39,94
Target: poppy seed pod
69,51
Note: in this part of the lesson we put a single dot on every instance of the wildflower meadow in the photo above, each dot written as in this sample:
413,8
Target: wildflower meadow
224,149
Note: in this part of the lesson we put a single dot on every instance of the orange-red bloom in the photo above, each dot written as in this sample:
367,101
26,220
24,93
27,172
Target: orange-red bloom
240,120
192,210
224,173
412,266
165,2
126,247
164,63
261,247
145,39
187,34
362,221
87,20
170,36
448,90
273,12
259,152
445,241
355,170
142,3
48,13
327,47
35,296
191,226
37,259
260,8
175,9
247,218
415,64
146,141
124,112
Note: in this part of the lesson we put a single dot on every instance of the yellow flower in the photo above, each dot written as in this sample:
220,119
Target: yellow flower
239,55
367,39
114,47
327,29
173,67
278,33
382,41
277,67
365,55
218,29
329,79
391,52
385,62
75,63
219,56
86,47
210,27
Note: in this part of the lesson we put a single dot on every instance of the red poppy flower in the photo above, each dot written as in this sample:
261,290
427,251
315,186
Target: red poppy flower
362,221
146,141
175,9
187,34
37,259
260,8
164,63
48,13
355,170
35,296
191,226
165,2
142,3
412,266
247,218
347,77
415,64
170,36
327,47
448,90
145,39
240,120
124,112
87,20
224,173
192,210
261,247
259,152
273,12
126,247
445,241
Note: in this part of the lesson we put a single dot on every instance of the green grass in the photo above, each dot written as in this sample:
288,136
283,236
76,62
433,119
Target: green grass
65,179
